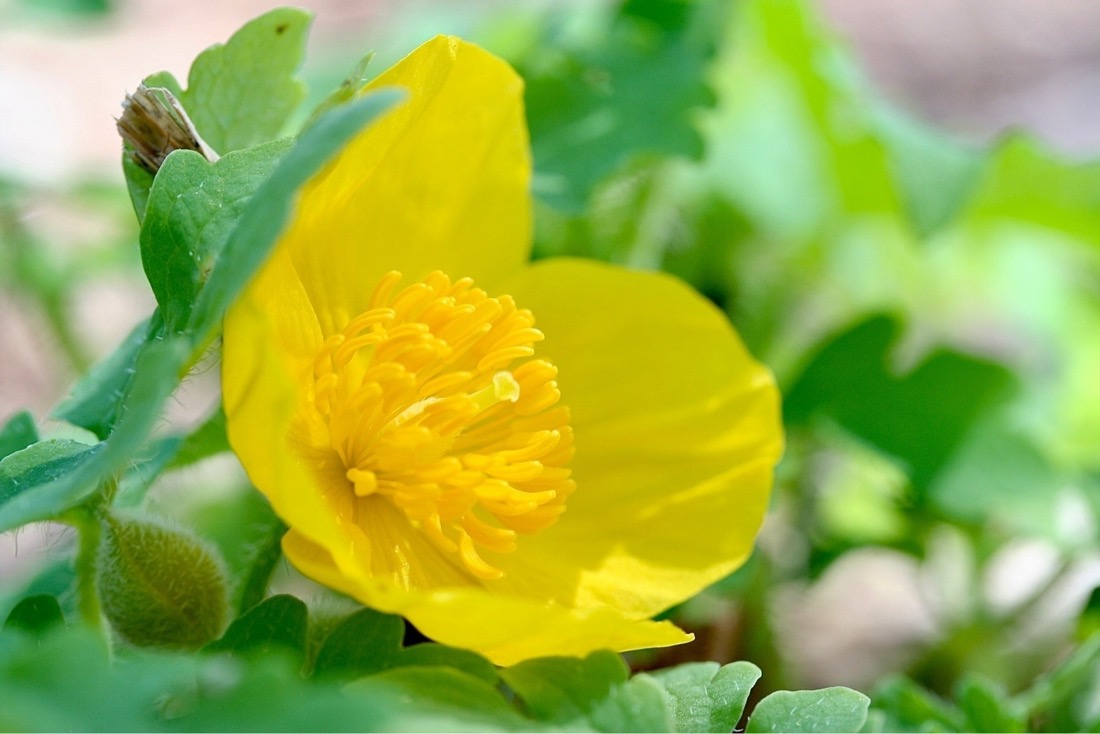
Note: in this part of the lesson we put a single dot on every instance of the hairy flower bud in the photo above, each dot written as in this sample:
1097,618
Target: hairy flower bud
160,586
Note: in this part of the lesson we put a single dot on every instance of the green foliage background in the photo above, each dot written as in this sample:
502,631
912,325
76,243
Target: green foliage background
929,308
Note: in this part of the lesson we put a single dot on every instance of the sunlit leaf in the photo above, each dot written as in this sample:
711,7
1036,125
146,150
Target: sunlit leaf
241,93
630,88
706,697
826,710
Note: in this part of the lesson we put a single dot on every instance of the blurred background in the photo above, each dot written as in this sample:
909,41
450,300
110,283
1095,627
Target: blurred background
896,204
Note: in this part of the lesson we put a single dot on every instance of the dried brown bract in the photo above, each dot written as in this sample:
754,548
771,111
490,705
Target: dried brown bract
154,124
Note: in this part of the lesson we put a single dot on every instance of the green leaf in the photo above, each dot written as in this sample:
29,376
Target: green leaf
39,464
850,381
434,699
368,642
987,706
161,360
18,433
364,642
706,697
640,704
590,693
138,183
440,656
1027,182
794,124
242,93
280,622
54,579
908,707
95,401
560,689
935,175
80,8
999,478
268,210
35,614
67,682
1068,697
192,209
629,87
51,494
166,80
259,560
826,710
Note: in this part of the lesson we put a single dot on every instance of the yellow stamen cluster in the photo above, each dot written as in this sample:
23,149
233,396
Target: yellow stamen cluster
434,401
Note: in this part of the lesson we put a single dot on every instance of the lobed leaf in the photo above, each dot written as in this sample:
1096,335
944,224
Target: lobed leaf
706,697
633,87
242,93
836,709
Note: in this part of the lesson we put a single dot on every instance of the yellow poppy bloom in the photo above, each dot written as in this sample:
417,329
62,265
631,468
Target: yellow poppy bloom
522,459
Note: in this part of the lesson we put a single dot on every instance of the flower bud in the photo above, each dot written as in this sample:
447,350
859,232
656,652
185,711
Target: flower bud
160,585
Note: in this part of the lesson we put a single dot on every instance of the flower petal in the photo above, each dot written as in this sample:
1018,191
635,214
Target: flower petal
677,432
505,629
260,396
439,183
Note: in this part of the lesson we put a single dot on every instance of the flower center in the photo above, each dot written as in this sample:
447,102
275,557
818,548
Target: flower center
434,400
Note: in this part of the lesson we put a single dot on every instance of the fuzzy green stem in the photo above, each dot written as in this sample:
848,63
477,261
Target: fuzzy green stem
87,555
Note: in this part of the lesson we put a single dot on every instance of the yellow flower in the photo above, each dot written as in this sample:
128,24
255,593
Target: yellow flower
522,459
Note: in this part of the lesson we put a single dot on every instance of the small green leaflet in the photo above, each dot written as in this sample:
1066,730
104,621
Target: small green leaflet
706,697
192,210
242,93
836,709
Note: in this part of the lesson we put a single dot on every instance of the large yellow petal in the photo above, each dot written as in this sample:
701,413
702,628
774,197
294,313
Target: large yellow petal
677,431
271,337
260,392
506,629
439,183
